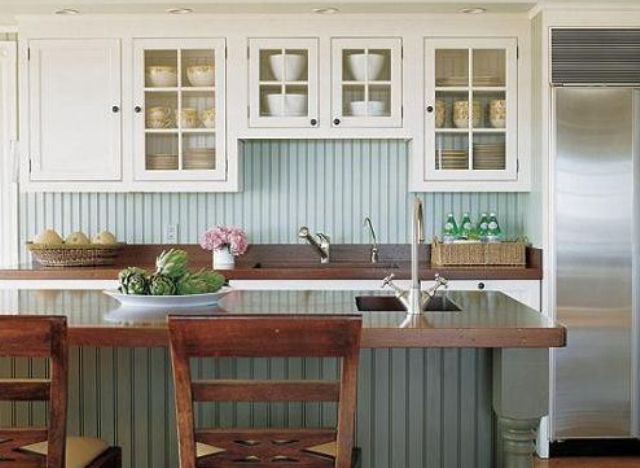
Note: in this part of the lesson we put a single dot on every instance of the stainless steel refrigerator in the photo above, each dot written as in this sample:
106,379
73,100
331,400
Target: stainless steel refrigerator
597,219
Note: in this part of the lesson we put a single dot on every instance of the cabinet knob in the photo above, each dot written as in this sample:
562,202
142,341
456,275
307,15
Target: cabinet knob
137,109
336,121
115,109
314,122
481,286
429,109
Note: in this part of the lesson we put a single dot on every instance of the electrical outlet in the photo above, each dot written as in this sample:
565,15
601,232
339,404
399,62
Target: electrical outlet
171,236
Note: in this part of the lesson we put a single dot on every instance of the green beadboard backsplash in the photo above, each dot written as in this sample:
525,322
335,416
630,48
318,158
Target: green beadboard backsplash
328,185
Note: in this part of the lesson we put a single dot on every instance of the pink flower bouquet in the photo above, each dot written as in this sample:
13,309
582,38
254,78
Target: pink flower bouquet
222,237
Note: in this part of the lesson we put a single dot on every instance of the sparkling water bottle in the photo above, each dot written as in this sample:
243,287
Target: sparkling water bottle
483,227
450,229
466,228
494,233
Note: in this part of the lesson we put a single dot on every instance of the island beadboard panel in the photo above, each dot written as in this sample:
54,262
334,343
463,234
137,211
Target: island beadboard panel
328,185
416,408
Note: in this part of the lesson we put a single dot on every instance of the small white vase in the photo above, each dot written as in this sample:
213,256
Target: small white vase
223,259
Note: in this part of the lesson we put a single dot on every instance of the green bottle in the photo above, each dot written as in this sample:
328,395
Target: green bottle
450,229
494,232
466,228
483,227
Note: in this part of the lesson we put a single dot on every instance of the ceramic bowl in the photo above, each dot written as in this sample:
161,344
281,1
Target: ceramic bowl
201,75
461,114
371,108
359,64
159,117
162,76
188,117
287,105
293,65
208,117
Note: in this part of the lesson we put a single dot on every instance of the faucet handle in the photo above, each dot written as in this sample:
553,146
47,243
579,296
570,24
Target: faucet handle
387,281
323,237
303,231
441,280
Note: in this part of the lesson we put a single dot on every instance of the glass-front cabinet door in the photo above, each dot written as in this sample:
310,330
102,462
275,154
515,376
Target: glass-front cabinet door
366,82
179,109
471,109
283,82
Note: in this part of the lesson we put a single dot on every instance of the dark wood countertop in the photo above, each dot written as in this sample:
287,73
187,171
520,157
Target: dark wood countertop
485,319
290,262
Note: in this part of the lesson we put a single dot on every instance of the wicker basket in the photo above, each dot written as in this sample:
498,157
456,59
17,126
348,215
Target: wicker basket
74,255
478,254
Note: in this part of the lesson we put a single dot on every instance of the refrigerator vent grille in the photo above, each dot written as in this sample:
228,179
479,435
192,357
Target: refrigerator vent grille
595,56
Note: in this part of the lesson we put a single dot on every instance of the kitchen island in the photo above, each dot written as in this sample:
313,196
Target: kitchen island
427,386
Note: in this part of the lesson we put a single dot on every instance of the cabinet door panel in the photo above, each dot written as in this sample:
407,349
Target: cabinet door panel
74,101
366,82
283,82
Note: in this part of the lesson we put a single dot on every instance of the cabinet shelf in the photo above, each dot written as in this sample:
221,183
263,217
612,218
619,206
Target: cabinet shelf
176,130
285,83
453,89
175,89
365,83
467,130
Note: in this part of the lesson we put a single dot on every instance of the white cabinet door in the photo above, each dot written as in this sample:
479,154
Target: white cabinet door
525,291
74,110
471,119
179,124
366,82
283,82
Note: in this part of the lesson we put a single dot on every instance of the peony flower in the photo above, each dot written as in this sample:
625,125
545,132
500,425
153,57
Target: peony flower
222,237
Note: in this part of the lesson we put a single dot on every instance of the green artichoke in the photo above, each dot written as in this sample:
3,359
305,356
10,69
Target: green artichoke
162,285
172,263
134,280
200,282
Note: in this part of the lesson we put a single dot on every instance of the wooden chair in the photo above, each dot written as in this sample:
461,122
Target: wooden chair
265,336
45,337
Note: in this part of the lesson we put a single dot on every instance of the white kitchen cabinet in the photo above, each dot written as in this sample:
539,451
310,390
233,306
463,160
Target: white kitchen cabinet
179,109
283,82
471,121
74,90
366,82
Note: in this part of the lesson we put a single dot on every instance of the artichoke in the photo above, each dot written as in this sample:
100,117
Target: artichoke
134,280
200,282
162,285
172,263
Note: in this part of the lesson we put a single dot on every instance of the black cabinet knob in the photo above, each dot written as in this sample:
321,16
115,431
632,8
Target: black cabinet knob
429,109
481,286
336,121
115,109
137,109
314,122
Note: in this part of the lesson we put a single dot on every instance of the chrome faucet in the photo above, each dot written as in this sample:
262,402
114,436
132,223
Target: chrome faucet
322,245
413,299
374,240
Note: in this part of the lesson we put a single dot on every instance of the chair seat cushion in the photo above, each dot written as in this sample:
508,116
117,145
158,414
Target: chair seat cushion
80,450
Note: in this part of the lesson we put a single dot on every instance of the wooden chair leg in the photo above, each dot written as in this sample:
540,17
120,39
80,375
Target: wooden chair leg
110,458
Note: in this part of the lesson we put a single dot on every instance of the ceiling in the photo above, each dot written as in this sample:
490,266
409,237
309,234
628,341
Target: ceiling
10,8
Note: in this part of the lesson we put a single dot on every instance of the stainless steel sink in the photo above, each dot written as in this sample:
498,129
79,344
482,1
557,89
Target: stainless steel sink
393,304
336,265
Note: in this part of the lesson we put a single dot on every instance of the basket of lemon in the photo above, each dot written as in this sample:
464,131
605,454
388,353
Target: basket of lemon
49,249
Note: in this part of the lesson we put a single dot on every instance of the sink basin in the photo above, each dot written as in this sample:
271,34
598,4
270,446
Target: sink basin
287,265
392,304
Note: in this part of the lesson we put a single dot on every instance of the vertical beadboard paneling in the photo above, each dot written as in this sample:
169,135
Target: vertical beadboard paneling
328,185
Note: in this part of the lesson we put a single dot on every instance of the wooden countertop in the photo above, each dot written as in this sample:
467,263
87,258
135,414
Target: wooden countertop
290,262
486,319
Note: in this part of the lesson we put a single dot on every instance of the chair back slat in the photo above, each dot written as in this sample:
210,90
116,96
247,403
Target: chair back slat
24,390
36,336
25,336
265,336
265,390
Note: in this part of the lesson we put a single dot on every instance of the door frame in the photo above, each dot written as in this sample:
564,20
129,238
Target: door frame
8,154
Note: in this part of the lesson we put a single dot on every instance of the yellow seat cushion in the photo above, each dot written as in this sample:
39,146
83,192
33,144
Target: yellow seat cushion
80,450
204,450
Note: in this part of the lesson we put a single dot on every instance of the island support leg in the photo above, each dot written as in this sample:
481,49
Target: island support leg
520,399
